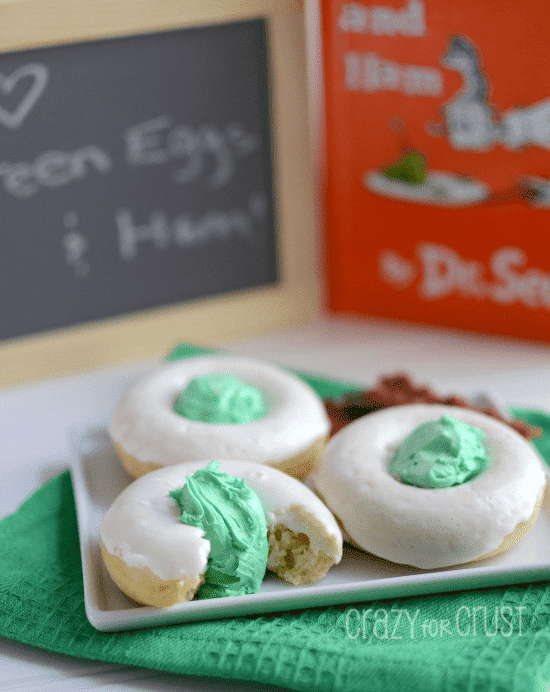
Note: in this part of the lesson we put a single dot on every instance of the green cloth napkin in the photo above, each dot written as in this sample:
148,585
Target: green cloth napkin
442,643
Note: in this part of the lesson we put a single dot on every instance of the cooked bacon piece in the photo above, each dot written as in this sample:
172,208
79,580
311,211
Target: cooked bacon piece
394,390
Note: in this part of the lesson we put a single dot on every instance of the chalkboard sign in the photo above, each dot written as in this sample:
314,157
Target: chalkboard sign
156,179
135,172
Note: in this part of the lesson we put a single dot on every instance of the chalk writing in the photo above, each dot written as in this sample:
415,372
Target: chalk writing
206,150
8,84
135,172
75,245
53,169
186,229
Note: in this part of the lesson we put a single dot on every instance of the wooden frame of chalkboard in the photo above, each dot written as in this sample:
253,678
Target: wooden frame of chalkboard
156,176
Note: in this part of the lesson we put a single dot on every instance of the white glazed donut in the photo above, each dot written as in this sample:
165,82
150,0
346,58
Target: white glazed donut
148,434
425,527
157,560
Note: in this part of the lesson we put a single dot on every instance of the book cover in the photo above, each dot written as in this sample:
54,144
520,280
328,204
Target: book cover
438,162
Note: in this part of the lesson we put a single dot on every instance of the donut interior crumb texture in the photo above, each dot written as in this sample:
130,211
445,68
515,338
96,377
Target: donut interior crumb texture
292,559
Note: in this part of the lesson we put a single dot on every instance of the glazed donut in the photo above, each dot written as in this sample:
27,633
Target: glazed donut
429,527
157,560
291,436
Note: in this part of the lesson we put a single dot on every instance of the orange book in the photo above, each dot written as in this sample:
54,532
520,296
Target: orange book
438,162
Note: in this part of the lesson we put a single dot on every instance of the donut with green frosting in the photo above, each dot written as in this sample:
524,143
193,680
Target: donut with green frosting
220,407
209,529
431,485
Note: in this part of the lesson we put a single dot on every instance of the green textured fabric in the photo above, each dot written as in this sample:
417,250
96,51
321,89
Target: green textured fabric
441,643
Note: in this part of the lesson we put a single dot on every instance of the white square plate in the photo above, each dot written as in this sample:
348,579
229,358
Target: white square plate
98,478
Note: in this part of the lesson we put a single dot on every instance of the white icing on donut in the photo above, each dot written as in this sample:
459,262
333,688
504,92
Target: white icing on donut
147,428
142,526
426,527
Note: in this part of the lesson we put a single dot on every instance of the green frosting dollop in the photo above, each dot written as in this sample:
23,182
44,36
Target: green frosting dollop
440,453
220,399
411,168
233,520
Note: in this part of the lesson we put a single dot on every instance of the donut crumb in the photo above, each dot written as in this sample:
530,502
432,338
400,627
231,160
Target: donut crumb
292,558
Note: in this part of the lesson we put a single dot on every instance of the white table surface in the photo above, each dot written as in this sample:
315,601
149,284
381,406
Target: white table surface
35,421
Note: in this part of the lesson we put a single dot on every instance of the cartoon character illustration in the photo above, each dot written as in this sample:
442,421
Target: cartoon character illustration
409,179
470,120
470,123
527,126
410,165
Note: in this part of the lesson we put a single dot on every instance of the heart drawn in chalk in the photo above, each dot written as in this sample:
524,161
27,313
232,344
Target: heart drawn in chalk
14,118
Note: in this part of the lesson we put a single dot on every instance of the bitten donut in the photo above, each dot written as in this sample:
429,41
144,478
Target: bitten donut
220,407
157,560
482,490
